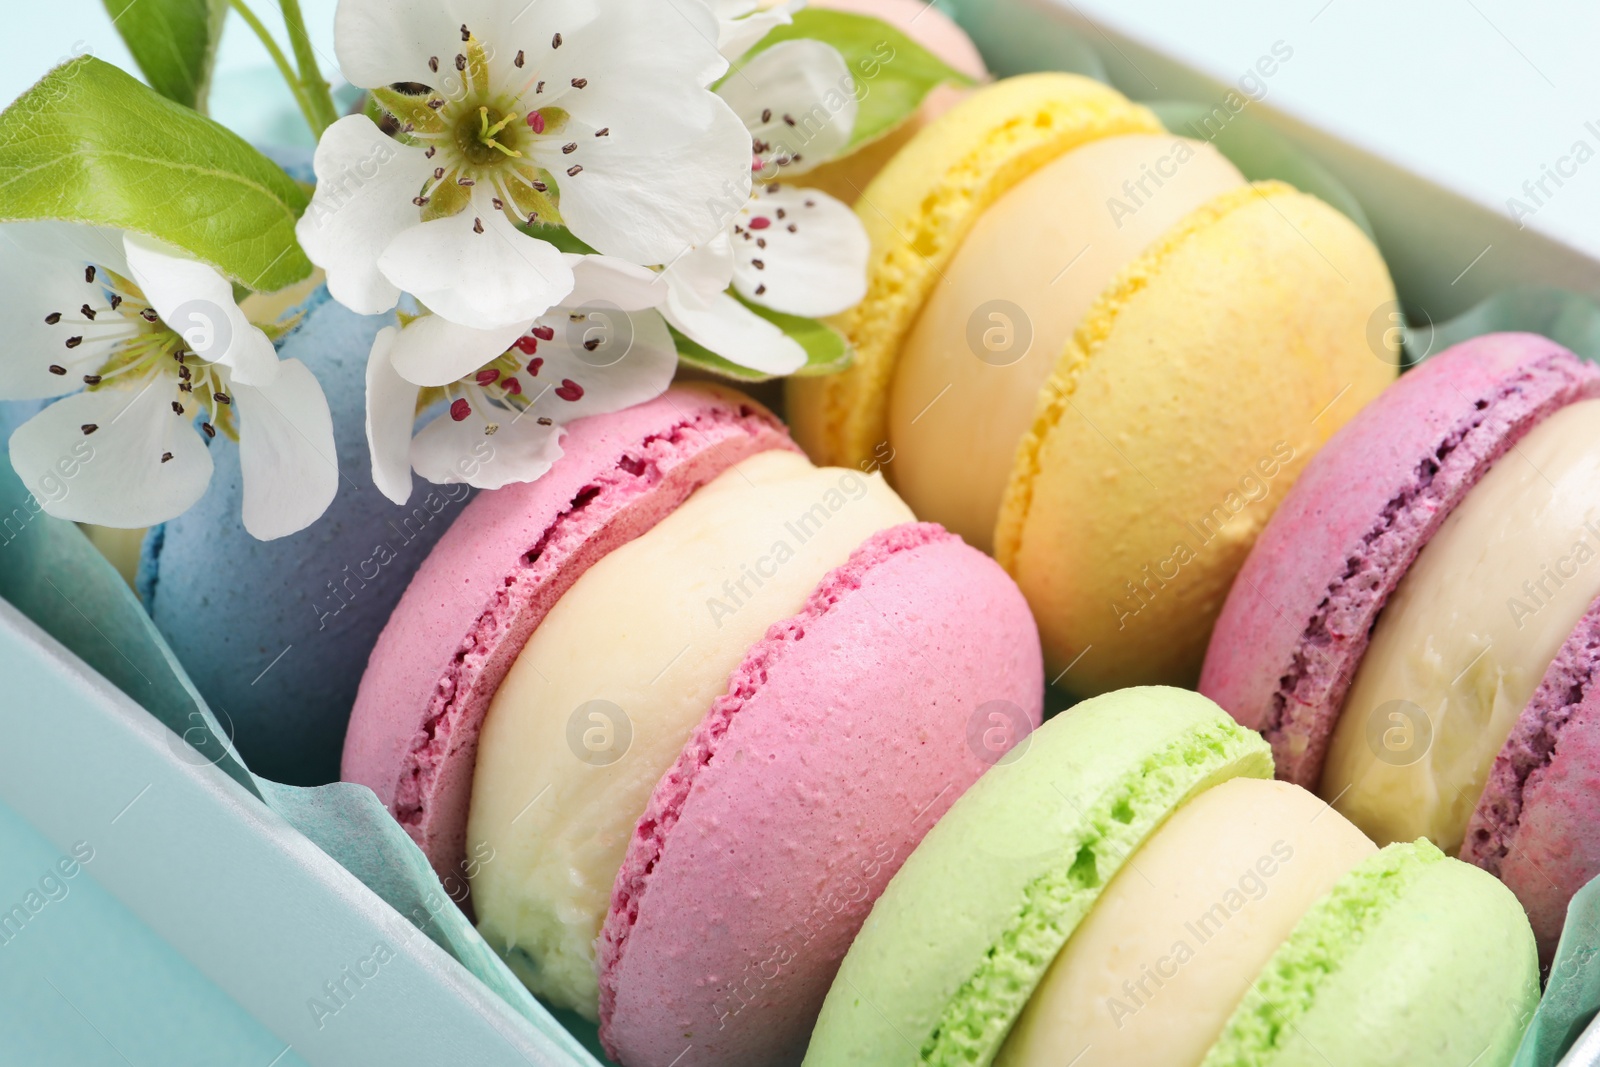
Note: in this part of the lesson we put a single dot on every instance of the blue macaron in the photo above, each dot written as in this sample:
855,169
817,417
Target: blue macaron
275,634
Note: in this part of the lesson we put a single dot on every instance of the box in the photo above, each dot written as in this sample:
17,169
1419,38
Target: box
198,926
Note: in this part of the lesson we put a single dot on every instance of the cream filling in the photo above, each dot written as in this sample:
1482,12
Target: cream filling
603,696
968,376
1467,636
1157,967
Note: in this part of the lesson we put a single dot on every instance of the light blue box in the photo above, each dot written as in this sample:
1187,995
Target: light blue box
255,919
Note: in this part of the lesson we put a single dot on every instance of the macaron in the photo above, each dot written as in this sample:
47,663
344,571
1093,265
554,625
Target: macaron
1133,888
846,178
1094,348
1416,632
678,710
275,633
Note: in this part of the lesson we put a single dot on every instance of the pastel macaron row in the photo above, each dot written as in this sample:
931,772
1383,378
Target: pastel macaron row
1093,347
679,709
1132,887
1417,630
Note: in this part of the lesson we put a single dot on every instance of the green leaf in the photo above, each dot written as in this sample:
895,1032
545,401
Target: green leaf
91,144
827,352
892,72
174,42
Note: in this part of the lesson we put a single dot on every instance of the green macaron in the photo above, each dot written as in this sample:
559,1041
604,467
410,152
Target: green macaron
1406,962
1399,956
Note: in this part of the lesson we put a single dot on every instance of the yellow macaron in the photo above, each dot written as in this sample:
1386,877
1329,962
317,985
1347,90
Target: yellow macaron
1095,349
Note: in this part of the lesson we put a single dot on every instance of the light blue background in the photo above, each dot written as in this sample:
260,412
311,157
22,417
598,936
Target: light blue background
1477,95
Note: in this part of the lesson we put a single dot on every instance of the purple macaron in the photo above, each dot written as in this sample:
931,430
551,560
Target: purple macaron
1300,615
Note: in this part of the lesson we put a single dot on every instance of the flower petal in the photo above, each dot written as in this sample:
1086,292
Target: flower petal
432,350
391,413
798,100
197,303
614,282
800,251
624,50
734,332
379,42
365,183
482,276
673,163
114,476
70,242
737,34
727,10
599,360
286,452
39,282
698,176
706,270
448,451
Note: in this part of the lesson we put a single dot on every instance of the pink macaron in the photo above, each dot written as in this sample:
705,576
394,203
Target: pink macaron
843,733
413,736
1301,616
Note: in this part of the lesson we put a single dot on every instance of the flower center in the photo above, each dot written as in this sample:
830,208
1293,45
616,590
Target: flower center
488,137
135,348
503,389
477,138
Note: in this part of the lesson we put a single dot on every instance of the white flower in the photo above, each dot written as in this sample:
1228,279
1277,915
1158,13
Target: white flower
698,304
798,101
148,342
799,251
741,23
589,113
509,391
793,250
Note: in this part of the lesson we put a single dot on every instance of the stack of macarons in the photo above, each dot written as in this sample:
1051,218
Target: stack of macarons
1132,888
1092,347
679,709
1417,632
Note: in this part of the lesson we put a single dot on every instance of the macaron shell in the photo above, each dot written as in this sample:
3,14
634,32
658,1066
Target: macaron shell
274,633
1298,619
480,593
1189,398
957,942
1414,960
1535,825
918,210
843,738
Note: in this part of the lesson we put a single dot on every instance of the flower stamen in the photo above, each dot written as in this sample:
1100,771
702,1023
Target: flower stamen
139,345
487,135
